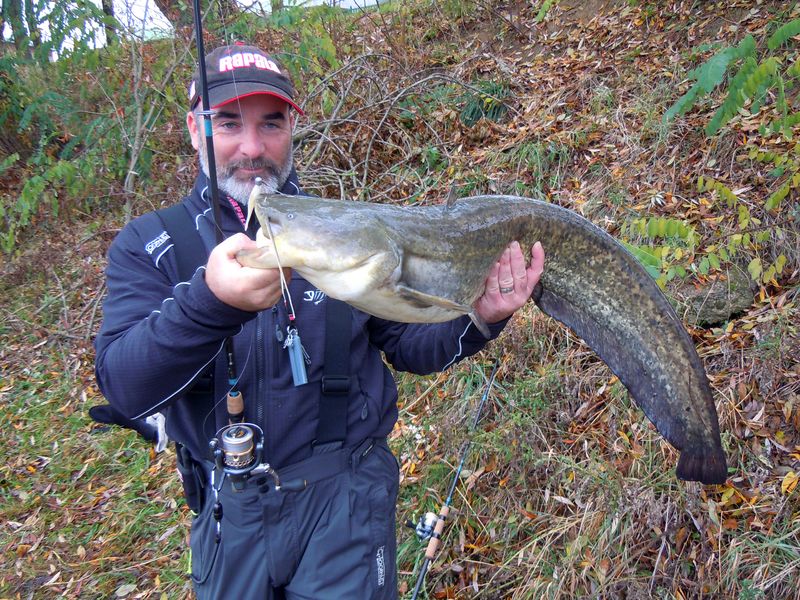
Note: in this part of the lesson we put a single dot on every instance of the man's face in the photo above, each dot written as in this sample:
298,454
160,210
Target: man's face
252,138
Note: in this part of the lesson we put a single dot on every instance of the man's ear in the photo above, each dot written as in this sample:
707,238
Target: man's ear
191,125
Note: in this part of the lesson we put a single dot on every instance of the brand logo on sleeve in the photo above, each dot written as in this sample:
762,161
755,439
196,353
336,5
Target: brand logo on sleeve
152,245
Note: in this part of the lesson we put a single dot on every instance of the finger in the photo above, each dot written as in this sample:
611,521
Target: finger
492,286
505,279
518,267
231,245
536,268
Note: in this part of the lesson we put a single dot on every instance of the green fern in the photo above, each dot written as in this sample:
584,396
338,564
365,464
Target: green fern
709,75
750,78
545,8
782,35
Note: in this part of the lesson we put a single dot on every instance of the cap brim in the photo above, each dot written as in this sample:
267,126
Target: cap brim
225,94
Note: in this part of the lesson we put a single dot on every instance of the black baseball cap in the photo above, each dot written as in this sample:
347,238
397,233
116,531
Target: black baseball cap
237,71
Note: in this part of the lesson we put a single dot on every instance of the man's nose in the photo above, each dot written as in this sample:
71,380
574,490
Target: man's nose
251,143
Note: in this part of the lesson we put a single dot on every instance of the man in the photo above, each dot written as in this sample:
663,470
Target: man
334,538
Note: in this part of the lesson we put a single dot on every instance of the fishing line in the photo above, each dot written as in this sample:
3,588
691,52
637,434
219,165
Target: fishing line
213,409
284,284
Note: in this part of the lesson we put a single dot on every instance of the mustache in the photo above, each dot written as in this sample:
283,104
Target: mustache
262,164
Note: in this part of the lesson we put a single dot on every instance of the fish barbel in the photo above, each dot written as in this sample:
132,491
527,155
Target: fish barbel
429,264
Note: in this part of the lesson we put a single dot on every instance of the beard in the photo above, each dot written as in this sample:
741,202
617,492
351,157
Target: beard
273,178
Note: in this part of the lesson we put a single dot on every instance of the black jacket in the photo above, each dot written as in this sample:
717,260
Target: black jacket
159,333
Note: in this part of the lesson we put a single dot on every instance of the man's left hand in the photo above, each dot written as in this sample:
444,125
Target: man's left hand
510,283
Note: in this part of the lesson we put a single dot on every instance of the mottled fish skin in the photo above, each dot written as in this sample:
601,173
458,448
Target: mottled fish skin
591,283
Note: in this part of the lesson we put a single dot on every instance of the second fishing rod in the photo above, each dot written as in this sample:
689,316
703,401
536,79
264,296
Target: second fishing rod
431,525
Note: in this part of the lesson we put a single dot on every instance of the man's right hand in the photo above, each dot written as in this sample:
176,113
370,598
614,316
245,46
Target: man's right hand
244,288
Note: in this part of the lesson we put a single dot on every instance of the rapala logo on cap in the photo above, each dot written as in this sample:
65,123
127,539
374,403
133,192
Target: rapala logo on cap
243,60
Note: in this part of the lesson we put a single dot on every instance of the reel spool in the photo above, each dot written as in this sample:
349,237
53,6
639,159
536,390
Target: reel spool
237,445
237,451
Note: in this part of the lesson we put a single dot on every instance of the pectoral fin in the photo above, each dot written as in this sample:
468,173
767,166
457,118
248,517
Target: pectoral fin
482,326
257,258
425,300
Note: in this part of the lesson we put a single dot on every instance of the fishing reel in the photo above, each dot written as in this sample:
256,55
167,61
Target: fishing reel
424,527
238,449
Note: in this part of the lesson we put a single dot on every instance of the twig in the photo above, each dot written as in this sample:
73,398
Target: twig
95,305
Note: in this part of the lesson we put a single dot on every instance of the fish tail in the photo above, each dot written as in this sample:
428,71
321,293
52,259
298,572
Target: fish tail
703,467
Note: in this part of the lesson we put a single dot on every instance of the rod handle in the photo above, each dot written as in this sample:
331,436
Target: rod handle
436,536
235,404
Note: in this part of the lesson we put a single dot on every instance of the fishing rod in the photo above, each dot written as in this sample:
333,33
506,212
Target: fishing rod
432,525
234,400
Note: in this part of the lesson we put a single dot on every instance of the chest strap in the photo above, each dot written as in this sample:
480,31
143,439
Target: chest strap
335,373
189,250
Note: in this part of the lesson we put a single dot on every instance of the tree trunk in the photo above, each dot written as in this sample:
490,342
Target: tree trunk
32,23
111,32
12,14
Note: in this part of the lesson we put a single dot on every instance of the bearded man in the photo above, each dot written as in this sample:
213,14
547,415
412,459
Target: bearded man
181,346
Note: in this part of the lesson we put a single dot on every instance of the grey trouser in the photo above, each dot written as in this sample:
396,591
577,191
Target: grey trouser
334,540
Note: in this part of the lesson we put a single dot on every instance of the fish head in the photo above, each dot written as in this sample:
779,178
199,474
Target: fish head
339,246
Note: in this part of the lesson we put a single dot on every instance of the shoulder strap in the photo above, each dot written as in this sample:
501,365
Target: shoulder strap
336,373
189,250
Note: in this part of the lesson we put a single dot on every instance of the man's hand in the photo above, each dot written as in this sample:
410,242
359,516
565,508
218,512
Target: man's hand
510,284
244,288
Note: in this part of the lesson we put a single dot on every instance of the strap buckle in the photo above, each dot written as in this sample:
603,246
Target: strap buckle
335,385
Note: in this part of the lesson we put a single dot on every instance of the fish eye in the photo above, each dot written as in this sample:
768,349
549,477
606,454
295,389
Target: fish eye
290,216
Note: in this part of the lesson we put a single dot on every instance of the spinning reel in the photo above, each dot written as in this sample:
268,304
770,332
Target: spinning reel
424,527
238,449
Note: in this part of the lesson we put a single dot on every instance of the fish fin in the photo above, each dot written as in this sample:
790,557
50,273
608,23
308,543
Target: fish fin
703,467
255,258
424,299
252,200
482,326
452,197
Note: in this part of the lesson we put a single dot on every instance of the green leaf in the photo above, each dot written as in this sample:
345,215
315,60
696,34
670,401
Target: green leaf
755,269
794,70
749,77
744,216
780,262
8,161
683,104
784,32
710,74
777,196
647,258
